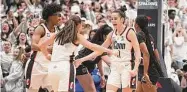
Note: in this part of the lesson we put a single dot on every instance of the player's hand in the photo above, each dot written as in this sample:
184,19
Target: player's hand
133,73
23,57
147,83
49,49
77,63
103,81
114,52
48,56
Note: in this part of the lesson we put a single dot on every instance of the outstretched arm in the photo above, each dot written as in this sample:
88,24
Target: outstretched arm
106,59
96,52
94,47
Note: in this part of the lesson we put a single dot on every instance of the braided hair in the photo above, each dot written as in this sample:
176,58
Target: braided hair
142,22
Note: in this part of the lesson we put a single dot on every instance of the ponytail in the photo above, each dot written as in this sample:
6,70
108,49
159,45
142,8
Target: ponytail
151,52
69,32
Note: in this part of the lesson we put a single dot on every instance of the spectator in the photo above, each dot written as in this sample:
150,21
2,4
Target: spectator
14,81
11,19
174,76
21,40
89,11
1,43
184,17
172,19
179,38
6,58
168,53
35,6
172,3
97,8
184,78
66,2
101,20
20,11
65,12
75,10
131,9
182,3
92,33
110,5
87,27
13,35
1,76
26,55
30,32
6,30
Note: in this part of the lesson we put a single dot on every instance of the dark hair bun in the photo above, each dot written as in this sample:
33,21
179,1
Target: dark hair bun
123,8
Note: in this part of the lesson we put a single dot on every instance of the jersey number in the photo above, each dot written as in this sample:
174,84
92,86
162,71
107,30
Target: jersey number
119,46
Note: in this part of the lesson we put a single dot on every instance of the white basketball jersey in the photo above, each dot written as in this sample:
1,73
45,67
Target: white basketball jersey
62,52
40,57
122,45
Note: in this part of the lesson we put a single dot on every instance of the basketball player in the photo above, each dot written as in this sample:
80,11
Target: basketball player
148,71
123,39
84,71
37,67
61,68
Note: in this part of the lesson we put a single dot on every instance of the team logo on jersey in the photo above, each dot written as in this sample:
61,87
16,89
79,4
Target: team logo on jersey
119,38
84,70
119,45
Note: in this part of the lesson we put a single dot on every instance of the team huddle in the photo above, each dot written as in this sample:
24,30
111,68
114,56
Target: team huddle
53,65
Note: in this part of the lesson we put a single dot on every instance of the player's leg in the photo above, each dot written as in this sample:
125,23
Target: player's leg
85,79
